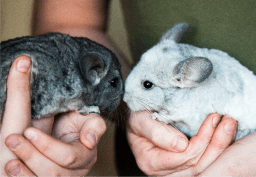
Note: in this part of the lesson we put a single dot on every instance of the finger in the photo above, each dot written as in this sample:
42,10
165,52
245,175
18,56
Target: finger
172,162
160,134
92,130
17,113
88,129
72,155
36,161
17,109
27,153
199,143
156,161
222,138
17,168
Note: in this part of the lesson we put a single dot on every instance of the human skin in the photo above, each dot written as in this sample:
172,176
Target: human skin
153,147
155,155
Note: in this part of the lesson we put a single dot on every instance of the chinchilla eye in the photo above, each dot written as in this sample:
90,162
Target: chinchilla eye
148,84
114,82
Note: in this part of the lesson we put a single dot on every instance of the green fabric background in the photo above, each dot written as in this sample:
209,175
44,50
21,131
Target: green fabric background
228,25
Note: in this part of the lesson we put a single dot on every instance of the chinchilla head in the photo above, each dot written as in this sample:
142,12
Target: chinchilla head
100,67
167,67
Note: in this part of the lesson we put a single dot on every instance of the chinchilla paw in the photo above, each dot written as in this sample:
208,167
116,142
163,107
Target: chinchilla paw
89,109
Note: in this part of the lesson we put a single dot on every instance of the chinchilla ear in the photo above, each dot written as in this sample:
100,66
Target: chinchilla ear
93,68
176,33
192,71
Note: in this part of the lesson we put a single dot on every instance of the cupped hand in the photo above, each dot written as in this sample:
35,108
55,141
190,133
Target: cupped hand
72,150
160,149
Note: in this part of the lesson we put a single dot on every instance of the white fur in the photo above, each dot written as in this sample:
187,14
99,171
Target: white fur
230,89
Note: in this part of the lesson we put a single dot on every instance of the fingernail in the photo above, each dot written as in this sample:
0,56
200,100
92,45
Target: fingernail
91,138
14,170
30,135
13,142
215,121
230,128
23,65
179,144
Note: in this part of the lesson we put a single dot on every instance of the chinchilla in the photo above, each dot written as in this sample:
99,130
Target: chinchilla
67,74
180,84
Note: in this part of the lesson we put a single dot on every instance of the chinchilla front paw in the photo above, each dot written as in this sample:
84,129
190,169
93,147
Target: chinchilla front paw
89,109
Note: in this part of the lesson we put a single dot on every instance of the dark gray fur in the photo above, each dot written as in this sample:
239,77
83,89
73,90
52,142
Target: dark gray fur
68,73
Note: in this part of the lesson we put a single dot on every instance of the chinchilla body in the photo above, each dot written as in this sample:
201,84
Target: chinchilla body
67,74
181,85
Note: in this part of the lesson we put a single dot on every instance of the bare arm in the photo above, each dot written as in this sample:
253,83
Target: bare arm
77,18
237,160
86,18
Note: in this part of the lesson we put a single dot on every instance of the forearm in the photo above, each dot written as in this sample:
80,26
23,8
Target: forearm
60,14
85,18
237,160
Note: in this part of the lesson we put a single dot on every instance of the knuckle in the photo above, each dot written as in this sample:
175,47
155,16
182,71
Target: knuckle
191,163
27,156
146,168
218,145
204,140
147,165
44,148
70,159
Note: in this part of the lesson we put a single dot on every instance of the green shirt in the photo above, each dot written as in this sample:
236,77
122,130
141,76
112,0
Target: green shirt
227,25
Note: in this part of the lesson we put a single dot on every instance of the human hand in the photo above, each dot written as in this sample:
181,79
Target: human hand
42,154
158,152
67,156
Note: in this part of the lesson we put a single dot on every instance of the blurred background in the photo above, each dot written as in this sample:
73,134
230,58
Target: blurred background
16,22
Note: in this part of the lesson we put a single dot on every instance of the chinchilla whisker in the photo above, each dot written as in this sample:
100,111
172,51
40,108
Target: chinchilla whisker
147,107
159,113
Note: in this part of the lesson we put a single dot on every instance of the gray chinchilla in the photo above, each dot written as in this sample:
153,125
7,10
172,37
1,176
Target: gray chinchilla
67,74
181,85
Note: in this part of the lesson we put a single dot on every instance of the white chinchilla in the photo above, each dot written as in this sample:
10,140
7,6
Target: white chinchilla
181,85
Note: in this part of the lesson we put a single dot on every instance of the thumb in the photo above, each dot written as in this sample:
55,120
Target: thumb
17,113
92,130
160,134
